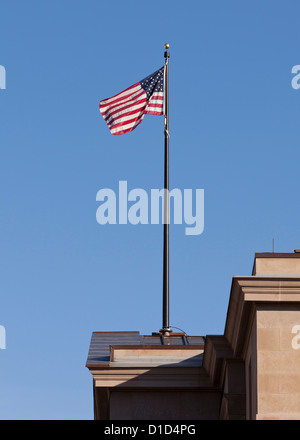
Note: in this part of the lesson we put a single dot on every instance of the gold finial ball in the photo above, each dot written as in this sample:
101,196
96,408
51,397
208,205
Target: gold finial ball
167,46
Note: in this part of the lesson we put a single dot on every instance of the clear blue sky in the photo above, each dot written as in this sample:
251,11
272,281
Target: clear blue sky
235,132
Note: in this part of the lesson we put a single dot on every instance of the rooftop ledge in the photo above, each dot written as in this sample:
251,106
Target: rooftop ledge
125,349
273,263
156,355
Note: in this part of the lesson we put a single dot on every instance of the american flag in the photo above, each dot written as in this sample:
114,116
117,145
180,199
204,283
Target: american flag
126,110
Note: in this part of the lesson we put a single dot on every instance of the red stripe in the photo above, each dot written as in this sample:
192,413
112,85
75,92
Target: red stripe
119,107
154,109
153,113
120,124
129,104
129,101
155,105
127,130
124,115
156,97
128,109
116,96
124,102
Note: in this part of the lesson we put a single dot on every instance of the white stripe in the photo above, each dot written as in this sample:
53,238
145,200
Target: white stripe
157,94
129,103
155,101
123,101
132,108
126,99
135,98
126,118
119,95
124,115
126,126
154,109
150,106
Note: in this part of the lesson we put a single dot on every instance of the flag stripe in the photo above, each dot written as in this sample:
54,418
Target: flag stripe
153,106
123,101
127,127
159,95
124,114
153,113
126,92
158,101
119,109
120,112
127,117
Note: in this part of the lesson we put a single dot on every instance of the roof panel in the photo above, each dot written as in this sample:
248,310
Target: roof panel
99,352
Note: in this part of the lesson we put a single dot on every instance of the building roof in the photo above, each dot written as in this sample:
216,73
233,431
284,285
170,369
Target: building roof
276,263
104,344
295,254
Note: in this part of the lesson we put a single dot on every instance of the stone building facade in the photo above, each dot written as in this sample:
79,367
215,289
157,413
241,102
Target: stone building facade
251,372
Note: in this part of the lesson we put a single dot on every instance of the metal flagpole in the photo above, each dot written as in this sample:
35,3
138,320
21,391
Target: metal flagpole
166,329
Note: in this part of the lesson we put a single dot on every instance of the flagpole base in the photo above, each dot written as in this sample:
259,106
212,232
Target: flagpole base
165,331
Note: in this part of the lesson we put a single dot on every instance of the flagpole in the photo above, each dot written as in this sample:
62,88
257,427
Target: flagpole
166,325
